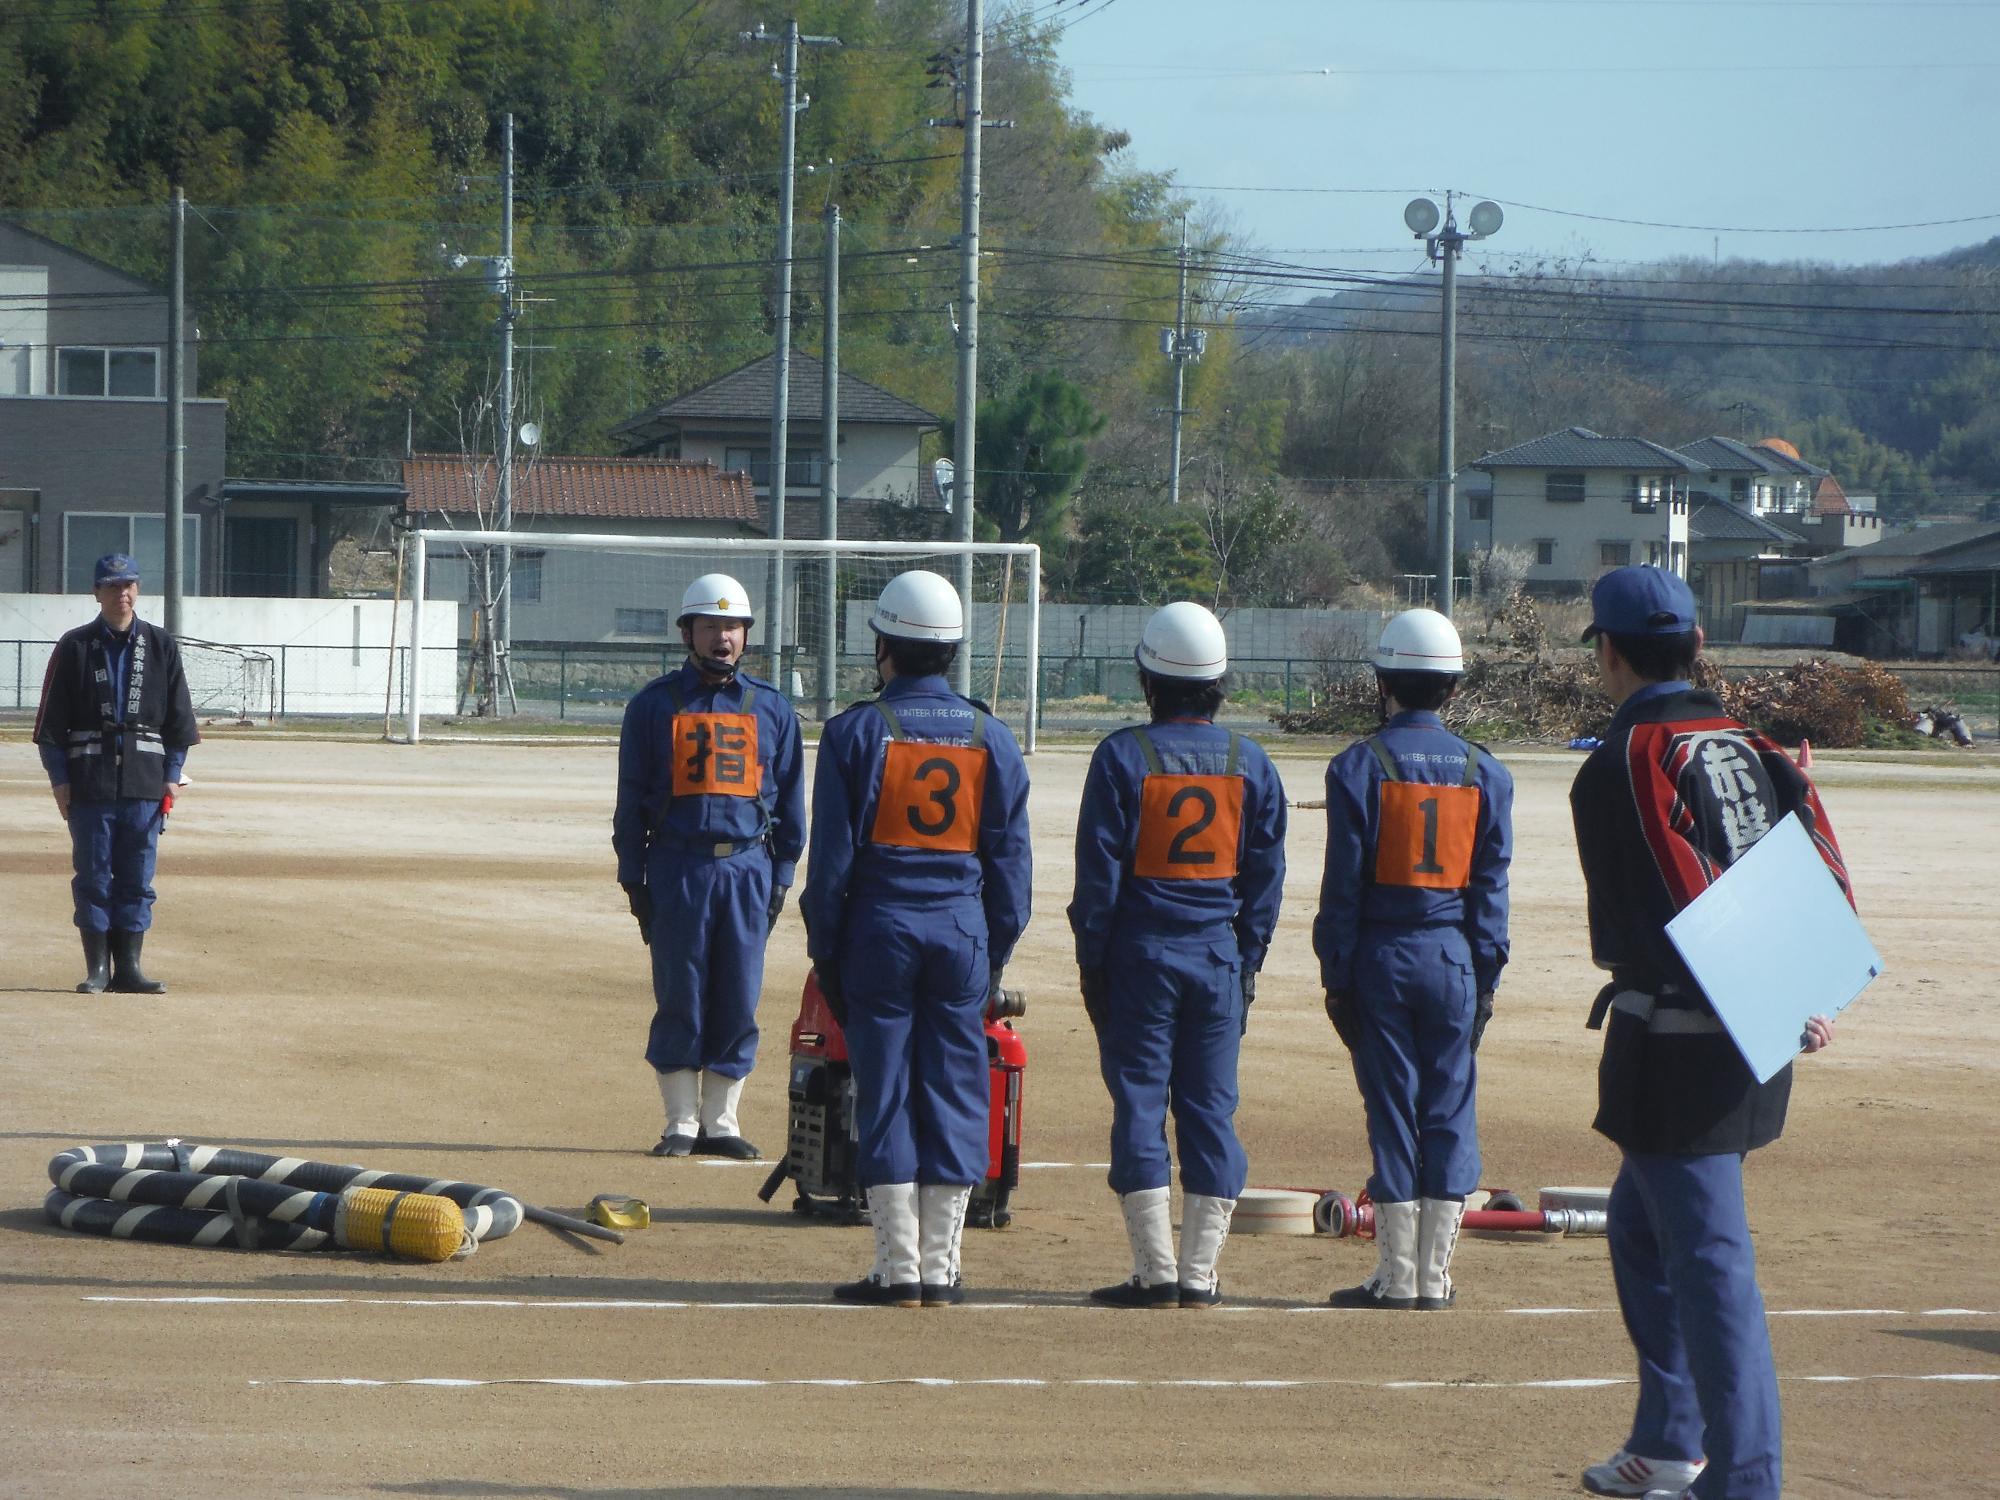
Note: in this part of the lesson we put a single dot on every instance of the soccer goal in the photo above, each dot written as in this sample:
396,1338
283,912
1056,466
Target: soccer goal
236,682
590,619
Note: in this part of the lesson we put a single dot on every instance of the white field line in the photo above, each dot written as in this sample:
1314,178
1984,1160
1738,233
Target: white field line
936,1382
627,1304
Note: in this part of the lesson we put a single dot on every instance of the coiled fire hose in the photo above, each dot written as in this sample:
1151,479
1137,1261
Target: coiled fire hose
179,1194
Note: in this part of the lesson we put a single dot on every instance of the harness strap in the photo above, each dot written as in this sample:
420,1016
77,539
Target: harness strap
1382,754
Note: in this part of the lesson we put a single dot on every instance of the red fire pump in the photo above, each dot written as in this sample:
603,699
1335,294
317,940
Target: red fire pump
822,1138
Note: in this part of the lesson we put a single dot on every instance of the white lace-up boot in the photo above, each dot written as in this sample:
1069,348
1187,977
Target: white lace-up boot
719,1134
1437,1235
1149,1225
1204,1226
680,1092
1394,1284
941,1225
895,1280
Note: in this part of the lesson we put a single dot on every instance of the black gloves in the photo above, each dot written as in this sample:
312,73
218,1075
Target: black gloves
1249,998
1096,991
777,906
829,990
641,901
1340,1011
1482,1012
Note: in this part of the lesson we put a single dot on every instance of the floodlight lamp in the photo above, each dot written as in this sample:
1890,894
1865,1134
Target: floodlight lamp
1420,216
1484,219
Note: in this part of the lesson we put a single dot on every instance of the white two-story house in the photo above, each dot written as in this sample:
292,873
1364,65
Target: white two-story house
1579,503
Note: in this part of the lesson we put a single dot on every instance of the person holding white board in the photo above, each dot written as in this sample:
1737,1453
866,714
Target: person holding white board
1676,792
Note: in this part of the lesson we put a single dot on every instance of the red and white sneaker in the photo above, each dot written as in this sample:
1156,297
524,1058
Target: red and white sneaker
1626,1473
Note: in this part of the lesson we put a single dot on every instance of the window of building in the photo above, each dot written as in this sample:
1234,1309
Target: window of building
1479,505
1643,492
525,580
1545,553
86,371
642,622
1739,490
89,535
1656,554
1614,554
1678,557
802,470
1566,489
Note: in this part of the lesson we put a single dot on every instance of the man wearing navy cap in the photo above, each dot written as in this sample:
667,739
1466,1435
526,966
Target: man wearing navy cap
114,729
1671,798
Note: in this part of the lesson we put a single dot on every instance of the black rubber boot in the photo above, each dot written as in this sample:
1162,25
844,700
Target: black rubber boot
673,1145
127,978
732,1146
97,960
878,1294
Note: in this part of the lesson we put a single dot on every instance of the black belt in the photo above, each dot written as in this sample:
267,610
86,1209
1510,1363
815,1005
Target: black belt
713,848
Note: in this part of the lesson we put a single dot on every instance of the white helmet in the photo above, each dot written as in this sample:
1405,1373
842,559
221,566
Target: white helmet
716,594
1419,640
1183,640
919,606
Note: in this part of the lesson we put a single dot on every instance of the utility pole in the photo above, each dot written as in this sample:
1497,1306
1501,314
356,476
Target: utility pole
1180,345
787,73
829,471
1443,245
176,412
503,614
966,417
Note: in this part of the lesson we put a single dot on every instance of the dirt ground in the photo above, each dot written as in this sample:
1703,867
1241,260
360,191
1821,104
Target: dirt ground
417,959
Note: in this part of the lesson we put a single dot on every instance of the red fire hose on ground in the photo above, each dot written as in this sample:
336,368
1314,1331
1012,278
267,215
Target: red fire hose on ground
1563,1211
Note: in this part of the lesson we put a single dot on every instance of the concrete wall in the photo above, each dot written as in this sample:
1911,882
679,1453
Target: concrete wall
328,656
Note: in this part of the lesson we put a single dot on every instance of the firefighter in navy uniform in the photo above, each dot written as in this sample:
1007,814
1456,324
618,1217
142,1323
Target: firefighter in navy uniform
1411,937
114,729
916,892
1674,794
1180,869
708,830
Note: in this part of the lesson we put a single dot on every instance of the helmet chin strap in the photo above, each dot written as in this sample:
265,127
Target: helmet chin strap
709,667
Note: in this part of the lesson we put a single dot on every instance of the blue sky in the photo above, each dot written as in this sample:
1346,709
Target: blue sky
1728,116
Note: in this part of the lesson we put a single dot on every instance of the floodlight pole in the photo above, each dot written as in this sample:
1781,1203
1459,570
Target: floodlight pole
1448,243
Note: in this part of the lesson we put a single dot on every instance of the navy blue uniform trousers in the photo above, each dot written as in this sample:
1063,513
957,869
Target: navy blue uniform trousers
710,922
1687,1286
1172,1030
915,980
1414,1063
114,847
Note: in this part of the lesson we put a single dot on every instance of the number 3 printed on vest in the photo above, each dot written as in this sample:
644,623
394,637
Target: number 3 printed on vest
931,796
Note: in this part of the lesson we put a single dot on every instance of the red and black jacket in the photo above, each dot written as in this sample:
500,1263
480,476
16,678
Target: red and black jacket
1675,793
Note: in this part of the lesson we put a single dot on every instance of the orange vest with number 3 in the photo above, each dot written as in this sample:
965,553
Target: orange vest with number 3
931,794
1426,833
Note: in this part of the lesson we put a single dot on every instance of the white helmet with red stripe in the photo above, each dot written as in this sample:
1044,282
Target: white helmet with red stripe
919,606
1419,640
1185,641
716,594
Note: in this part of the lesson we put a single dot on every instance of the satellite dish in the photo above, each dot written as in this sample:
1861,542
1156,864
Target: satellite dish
944,475
1421,215
1484,219
531,434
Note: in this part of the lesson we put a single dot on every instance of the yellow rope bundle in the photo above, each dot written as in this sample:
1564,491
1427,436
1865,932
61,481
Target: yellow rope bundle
416,1226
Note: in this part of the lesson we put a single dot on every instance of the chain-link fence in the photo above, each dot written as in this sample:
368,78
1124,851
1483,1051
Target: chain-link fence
592,684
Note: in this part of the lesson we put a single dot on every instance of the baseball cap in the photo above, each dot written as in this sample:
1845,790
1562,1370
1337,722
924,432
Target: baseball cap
1640,601
115,567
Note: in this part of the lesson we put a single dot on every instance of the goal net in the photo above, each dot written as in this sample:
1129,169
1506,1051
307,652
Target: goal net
236,682
585,621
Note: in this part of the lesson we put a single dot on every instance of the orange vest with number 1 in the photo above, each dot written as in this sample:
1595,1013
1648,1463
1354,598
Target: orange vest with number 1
1426,832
